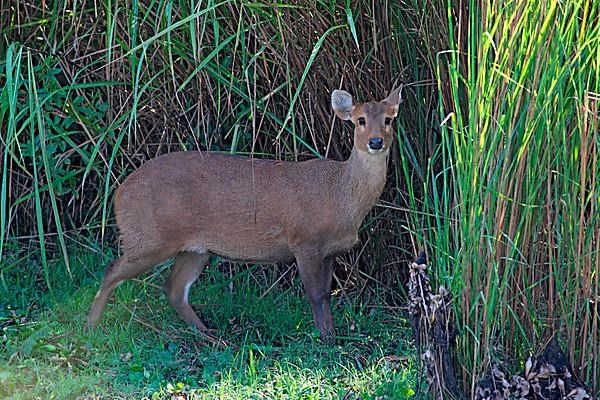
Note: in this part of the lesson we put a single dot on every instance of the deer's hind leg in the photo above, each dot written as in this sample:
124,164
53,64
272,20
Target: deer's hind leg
116,272
186,269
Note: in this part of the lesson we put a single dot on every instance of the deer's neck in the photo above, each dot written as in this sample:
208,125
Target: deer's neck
365,180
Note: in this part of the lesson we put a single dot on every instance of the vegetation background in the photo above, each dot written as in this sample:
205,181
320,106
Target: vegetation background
495,173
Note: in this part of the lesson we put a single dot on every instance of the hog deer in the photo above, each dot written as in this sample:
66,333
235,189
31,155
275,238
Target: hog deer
193,205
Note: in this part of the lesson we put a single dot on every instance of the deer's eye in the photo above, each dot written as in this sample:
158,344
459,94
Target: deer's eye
361,121
388,121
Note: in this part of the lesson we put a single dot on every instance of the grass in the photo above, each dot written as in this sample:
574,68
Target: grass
516,222
143,350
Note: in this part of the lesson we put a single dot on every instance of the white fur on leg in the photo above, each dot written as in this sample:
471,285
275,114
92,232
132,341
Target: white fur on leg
186,291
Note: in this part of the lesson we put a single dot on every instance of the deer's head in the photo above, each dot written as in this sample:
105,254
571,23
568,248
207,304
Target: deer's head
372,120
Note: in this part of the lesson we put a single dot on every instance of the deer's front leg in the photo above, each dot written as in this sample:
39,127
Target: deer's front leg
316,273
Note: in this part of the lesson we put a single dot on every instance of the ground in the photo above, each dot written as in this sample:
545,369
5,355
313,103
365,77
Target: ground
143,350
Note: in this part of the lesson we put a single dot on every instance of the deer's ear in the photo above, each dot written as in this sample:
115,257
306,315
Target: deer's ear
394,99
341,102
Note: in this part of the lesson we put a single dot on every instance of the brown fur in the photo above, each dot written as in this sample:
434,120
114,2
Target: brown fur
191,205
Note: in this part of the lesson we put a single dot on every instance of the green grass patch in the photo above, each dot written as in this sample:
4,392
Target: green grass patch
143,350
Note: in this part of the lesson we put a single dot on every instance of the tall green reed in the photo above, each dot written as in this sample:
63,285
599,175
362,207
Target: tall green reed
519,187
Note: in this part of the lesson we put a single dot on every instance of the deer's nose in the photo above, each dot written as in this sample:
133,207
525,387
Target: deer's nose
376,143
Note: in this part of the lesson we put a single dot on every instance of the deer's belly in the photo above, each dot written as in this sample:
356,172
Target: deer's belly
340,245
255,254
244,251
